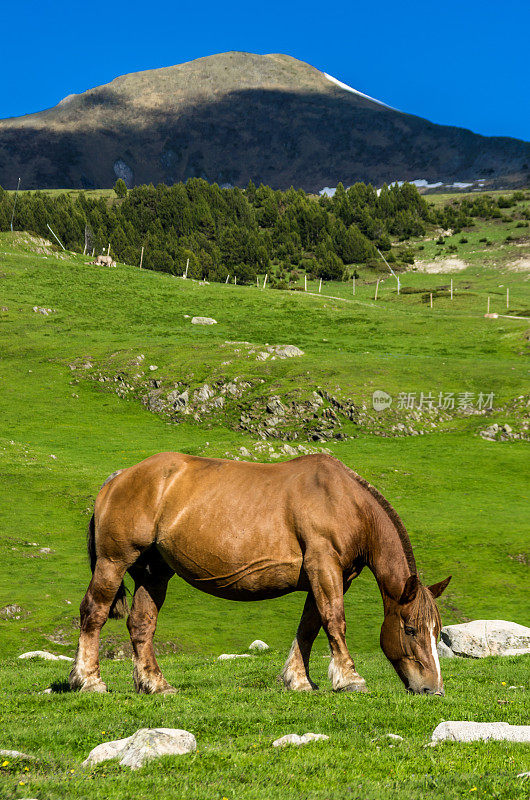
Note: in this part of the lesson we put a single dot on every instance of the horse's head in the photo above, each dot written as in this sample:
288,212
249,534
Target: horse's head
409,634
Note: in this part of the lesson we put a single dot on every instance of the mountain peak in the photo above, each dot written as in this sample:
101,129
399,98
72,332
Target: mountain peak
233,116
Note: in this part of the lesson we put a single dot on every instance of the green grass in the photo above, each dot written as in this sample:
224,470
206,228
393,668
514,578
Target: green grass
237,709
459,496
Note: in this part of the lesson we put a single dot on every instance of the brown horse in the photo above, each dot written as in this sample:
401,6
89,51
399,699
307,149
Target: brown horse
247,531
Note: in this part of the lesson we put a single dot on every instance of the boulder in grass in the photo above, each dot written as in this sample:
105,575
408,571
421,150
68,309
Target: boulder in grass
45,655
487,637
294,738
230,656
16,754
203,321
258,644
142,746
456,731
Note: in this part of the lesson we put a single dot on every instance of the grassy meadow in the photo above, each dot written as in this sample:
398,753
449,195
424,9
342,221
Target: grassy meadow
462,499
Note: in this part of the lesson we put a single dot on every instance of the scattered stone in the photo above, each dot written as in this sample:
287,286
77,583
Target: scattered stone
152,367
13,611
394,736
294,738
203,394
44,311
16,754
288,351
179,399
45,656
263,356
524,775
491,316
288,450
230,656
4,308
444,651
203,321
244,452
258,644
274,406
487,637
142,746
45,551
457,731
53,456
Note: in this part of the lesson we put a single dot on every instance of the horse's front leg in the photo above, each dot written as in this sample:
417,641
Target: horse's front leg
327,582
295,673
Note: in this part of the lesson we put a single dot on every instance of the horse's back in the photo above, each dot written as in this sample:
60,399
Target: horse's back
233,528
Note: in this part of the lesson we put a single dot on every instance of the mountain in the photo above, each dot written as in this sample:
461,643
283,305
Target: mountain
235,116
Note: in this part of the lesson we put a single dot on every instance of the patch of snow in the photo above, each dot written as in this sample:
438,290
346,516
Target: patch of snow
458,185
347,88
327,191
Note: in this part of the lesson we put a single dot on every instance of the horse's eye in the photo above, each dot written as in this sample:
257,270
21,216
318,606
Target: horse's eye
410,631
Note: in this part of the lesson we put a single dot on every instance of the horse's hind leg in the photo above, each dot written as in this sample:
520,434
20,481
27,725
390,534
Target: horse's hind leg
151,579
94,611
295,673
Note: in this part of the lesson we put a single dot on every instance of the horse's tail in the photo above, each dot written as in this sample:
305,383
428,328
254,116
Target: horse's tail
119,607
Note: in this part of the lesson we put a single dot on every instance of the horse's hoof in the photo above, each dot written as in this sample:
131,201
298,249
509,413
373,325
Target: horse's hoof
354,687
96,686
168,690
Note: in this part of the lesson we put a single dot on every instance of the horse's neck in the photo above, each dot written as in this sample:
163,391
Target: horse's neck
387,556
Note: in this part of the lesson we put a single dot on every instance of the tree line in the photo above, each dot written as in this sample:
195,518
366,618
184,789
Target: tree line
220,232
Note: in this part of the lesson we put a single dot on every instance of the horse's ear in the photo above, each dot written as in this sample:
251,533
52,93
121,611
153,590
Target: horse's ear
410,591
437,588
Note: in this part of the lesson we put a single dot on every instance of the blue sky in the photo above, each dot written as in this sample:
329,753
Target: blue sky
456,63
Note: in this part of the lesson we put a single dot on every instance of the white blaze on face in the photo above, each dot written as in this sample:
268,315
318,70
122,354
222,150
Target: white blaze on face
435,655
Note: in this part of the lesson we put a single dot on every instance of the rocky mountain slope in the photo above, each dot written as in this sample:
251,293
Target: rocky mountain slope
235,116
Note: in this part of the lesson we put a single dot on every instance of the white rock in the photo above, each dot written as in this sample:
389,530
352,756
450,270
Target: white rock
294,738
288,351
45,655
456,731
203,321
142,746
229,656
487,637
15,754
244,452
258,644
394,736
152,367
289,450
524,775
444,651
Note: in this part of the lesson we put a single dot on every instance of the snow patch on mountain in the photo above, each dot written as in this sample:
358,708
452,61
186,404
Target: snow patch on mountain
347,88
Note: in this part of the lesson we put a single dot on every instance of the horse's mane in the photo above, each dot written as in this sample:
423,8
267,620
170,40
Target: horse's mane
394,517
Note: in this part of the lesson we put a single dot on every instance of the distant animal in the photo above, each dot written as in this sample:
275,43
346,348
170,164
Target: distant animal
249,531
104,261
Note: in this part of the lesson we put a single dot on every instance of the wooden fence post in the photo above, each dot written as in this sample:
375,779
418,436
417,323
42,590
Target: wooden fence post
431,298
141,257
377,288
320,286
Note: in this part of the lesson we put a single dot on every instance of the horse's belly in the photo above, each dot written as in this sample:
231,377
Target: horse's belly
234,567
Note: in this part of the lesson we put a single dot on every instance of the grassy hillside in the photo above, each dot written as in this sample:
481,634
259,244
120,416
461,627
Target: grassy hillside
66,427
74,407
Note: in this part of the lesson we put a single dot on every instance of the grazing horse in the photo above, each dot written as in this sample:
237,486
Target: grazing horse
249,531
